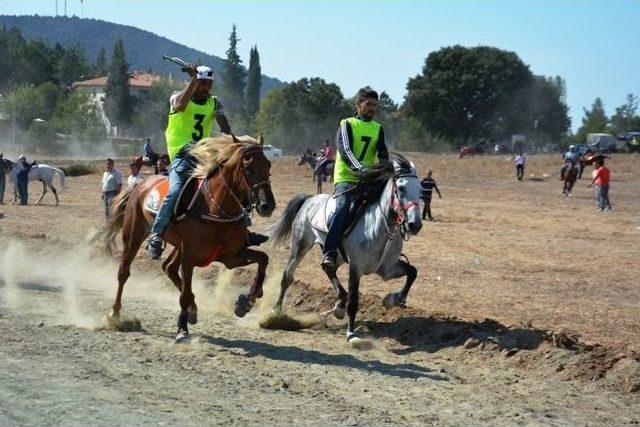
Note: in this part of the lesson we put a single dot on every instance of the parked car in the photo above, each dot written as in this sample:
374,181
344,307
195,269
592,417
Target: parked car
272,152
602,142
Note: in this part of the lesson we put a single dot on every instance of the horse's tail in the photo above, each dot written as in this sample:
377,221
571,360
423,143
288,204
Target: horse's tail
106,235
280,231
61,176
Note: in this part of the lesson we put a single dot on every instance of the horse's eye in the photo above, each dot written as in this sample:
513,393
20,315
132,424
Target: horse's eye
401,188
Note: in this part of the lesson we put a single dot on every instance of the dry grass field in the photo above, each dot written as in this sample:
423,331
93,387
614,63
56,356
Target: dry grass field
501,255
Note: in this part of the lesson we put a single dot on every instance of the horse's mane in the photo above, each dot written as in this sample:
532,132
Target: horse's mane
384,171
212,152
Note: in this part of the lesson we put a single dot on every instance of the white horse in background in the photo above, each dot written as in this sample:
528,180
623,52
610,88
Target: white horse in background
39,172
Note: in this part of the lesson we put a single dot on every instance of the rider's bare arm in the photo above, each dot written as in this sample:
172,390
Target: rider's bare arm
224,124
181,99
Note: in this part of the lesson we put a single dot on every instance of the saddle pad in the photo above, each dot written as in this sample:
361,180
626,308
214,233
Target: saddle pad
320,219
154,200
155,197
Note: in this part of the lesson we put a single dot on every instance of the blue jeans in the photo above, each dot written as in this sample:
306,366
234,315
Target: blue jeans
108,197
23,189
602,195
343,202
178,175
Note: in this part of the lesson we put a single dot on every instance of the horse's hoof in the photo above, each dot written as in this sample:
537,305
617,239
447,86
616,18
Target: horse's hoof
358,343
182,337
114,316
393,299
243,305
338,311
192,317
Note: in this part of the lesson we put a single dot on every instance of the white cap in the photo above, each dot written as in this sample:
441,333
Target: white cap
22,156
204,73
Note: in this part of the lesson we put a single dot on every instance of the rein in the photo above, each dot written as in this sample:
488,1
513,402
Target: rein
400,210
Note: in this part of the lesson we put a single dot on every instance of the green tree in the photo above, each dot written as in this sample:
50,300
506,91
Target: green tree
29,102
594,121
233,75
71,66
150,118
101,63
254,83
302,114
467,93
118,102
626,117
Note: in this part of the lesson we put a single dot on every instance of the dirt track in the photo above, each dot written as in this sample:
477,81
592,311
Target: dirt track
558,346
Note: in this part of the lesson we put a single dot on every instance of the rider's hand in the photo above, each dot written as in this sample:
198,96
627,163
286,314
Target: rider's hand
190,69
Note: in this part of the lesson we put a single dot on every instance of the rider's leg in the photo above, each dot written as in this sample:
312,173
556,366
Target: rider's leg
178,175
343,201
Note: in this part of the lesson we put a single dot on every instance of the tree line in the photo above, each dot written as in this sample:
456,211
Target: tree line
462,96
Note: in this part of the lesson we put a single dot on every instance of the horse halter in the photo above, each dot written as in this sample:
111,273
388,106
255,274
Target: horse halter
399,208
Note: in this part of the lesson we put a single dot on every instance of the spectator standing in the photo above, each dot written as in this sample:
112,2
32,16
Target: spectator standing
23,179
428,184
3,177
162,167
520,159
111,186
134,175
601,177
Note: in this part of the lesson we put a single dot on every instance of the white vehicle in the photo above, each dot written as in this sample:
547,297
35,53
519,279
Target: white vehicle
272,152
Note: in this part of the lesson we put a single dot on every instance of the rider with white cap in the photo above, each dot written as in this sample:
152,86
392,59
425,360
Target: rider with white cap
191,117
573,156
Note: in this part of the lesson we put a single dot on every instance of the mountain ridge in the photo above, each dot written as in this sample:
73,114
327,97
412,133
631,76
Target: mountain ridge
143,48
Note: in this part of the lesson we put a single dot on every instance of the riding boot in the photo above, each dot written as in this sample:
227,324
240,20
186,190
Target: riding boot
155,246
329,260
255,239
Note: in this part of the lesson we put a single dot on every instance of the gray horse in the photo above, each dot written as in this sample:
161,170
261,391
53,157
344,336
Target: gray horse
40,172
374,243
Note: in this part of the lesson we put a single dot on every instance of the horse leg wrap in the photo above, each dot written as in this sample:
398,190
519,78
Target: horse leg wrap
256,288
182,321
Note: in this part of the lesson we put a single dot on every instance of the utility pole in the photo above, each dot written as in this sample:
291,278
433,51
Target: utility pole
56,7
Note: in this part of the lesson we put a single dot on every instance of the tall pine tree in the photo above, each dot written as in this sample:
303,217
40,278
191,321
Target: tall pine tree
233,75
101,62
118,102
594,121
254,82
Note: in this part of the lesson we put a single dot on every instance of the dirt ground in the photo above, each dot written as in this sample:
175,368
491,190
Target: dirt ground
526,311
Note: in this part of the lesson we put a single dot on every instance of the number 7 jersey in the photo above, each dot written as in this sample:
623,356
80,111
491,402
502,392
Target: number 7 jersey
363,148
192,124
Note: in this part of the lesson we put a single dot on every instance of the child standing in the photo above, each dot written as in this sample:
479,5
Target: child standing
601,176
428,184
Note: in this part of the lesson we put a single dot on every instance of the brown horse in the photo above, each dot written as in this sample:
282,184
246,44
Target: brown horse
467,152
150,162
236,177
570,175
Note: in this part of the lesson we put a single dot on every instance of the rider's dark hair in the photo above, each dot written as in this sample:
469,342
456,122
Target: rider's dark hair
110,160
366,92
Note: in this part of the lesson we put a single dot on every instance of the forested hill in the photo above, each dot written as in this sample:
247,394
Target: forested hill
143,49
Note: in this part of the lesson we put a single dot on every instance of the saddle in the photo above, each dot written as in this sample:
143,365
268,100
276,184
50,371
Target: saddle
187,199
364,196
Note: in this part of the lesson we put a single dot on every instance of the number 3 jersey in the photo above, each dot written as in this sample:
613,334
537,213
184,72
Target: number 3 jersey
192,124
359,144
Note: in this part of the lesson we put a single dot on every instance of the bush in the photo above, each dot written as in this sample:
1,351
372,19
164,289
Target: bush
78,169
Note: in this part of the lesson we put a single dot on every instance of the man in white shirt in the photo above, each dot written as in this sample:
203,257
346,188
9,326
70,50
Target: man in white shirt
520,161
111,186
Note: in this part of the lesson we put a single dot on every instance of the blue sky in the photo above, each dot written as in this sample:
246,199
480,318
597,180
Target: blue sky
593,44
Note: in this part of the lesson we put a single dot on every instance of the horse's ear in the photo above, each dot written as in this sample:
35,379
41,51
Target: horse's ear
260,140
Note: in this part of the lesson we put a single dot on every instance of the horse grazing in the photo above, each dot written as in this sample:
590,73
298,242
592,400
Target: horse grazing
570,176
39,172
233,176
392,215
320,175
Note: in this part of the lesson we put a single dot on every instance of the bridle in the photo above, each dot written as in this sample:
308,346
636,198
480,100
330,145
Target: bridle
251,190
399,209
